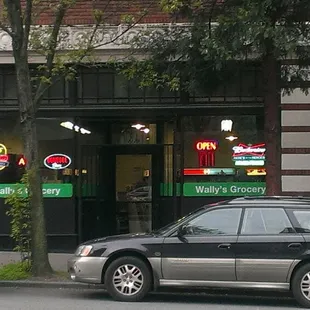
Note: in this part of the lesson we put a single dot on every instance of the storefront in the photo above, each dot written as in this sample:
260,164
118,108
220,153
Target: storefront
118,159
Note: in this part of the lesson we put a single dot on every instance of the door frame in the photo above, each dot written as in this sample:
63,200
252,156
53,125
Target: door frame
157,158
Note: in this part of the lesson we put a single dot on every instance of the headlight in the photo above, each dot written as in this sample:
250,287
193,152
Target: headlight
83,250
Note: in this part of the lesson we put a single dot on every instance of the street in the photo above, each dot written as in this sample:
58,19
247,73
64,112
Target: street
65,299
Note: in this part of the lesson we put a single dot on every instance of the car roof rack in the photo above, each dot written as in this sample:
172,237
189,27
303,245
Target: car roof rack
276,197
262,199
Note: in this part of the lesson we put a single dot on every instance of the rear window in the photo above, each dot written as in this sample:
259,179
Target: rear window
266,221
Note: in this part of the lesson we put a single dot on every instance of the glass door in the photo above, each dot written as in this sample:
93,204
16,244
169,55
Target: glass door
133,193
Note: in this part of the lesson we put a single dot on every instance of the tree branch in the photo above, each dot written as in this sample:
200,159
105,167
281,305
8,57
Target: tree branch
122,33
14,13
52,46
43,86
60,14
27,21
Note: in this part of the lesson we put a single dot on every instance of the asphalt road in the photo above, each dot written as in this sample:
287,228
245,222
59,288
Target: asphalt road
56,299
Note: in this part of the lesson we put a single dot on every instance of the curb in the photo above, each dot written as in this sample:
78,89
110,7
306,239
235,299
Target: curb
46,284
184,292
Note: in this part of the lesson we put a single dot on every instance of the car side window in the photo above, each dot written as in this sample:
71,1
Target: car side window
215,222
303,219
266,221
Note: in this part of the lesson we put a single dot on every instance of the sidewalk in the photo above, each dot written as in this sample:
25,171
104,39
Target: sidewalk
66,284
58,261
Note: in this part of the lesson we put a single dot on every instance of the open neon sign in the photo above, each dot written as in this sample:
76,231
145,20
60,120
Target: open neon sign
207,145
206,152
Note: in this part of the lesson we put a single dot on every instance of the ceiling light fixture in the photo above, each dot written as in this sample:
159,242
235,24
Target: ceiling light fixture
138,126
76,128
146,130
226,125
231,138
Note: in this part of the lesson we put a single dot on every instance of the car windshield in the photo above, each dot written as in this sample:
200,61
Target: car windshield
170,226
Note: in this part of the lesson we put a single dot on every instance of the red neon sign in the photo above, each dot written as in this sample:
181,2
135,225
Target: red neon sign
206,145
4,158
193,171
57,161
206,149
21,162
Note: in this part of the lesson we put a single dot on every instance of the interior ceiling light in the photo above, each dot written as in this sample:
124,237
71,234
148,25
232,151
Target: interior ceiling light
231,138
146,130
138,126
226,125
76,128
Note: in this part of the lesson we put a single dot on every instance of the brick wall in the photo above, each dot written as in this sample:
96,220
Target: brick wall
295,139
114,10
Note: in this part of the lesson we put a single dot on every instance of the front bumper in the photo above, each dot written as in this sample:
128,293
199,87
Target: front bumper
86,269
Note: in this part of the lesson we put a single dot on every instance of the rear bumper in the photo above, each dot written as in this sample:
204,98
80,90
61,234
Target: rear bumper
86,269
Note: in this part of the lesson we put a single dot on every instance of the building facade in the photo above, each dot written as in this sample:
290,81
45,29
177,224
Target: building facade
295,140
116,158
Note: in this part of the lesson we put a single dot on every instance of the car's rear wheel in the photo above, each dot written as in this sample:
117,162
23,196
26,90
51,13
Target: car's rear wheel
301,285
128,279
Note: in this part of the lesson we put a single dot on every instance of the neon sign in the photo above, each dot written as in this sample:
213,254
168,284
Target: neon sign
249,155
4,157
21,161
209,171
243,150
249,162
57,161
207,145
206,150
256,171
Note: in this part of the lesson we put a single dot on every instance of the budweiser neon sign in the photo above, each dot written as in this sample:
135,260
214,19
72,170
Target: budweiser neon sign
242,150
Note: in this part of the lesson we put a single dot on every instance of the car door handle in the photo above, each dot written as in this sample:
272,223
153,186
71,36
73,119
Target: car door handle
294,245
224,246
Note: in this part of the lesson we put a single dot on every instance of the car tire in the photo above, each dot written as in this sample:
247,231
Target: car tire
302,274
128,279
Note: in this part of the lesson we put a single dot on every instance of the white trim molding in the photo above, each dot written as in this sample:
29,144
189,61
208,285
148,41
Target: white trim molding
106,37
109,41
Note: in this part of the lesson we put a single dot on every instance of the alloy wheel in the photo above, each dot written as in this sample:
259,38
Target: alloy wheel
128,280
305,285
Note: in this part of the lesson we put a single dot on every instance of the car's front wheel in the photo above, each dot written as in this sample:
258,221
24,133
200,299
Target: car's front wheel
301,285
128,279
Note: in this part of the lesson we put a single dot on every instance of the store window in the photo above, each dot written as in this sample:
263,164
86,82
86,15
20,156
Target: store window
56,160
229,147
8,85
223,155
95,85
56,147
11,153
134,133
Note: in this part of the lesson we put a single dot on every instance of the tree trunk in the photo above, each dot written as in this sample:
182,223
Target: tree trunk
40,262
272,122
